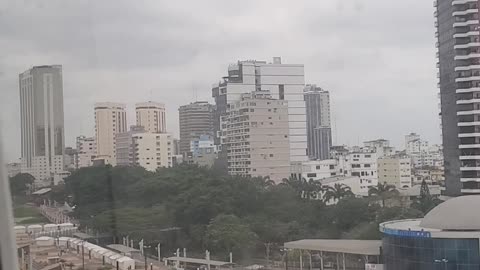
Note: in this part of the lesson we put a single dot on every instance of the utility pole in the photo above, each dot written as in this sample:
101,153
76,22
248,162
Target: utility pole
267,247
83,254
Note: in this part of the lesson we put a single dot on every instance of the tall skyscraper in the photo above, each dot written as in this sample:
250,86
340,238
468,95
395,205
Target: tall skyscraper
255,135
42,124
110,119
151,116
284,81
458,45
195,119
319,132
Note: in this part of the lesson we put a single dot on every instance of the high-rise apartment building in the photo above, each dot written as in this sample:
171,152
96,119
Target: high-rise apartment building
110,119
319,132
284,81
42,123
152,150
86,152
151,116
458,46
255,135
195,119
124,146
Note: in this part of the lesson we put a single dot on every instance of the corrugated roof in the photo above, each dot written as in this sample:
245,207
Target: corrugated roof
361,247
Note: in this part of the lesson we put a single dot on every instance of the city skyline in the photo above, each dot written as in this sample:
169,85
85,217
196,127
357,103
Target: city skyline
367,63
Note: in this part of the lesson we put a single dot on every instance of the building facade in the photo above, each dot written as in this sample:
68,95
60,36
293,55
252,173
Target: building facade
395,170
458,45
110,119
284,81
319,132
151,116
316,169
255,136
361,164
42,121
86,152
124,147
195,120
202,152
152,150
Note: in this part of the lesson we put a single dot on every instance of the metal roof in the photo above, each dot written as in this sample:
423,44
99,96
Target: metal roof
42,191
361,247
198,261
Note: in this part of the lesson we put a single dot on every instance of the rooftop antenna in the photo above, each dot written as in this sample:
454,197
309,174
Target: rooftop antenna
151,94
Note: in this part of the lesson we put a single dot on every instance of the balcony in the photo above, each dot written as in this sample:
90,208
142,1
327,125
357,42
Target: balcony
467,45
468,146
465,12
467,90
469,179
467,34
467,68
462,2
470,191
466,168
469,157
468,101
468,112
467,79
467,56
465,23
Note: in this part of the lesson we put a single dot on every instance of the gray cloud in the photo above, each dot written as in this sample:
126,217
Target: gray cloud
376,57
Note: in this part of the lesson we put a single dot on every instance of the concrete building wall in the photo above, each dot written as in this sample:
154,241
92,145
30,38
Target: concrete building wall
86,152
124,146
110,119
319,133
395,171
151,116
42,121
152,150
255,135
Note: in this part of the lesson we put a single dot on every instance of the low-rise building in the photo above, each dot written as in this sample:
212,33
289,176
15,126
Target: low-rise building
86,152
202,151
381,147
362,165
395,170
315,169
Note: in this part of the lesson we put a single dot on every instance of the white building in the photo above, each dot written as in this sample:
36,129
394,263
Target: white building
151,116
255,135
361,164
86,152
316,169
415,145
152,150
124,146
381,147
41,119
395,170
110,119
284,81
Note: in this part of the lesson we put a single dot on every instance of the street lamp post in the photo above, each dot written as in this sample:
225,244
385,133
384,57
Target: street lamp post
444,261
145,256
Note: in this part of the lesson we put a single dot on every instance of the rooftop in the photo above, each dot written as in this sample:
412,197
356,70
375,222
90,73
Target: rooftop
361,247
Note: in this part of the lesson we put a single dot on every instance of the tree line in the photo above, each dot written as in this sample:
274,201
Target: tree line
200,208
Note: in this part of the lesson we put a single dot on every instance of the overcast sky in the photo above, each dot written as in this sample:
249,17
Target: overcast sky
376,57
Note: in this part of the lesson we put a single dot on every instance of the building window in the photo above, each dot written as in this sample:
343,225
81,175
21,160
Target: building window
271,155
310,175
367,165
318,167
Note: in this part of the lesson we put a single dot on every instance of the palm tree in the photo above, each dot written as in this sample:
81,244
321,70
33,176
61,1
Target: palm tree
306,189
337,192
384,191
